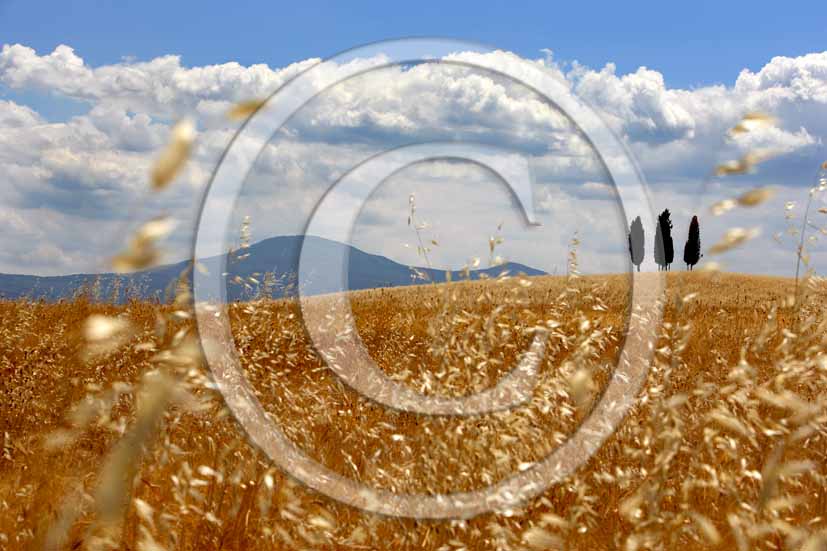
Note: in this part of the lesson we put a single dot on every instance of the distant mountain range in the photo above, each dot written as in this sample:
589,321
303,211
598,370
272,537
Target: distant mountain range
272,262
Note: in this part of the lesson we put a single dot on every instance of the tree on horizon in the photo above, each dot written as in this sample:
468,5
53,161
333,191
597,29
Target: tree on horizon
692,249
664,245
636,242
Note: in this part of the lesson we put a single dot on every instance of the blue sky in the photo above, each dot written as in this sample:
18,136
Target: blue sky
88,94
691,43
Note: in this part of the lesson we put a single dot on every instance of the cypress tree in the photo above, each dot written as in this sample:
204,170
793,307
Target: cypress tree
692,249
636,240
664,245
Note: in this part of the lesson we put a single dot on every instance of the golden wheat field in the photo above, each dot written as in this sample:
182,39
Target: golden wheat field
114,437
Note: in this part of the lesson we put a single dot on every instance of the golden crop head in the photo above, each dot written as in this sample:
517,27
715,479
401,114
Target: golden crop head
755,197
734,237
174,156
753,121
746,163
142,251
245,109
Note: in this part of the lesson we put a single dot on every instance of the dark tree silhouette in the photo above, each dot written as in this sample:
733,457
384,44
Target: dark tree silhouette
692,249
664,246
636,239
669,245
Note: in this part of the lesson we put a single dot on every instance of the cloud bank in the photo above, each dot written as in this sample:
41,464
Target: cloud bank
73,187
